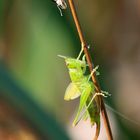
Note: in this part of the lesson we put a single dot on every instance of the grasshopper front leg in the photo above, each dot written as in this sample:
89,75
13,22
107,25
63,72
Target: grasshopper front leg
93,71
82,49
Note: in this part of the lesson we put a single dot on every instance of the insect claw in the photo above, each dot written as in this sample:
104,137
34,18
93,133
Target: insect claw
106,94
96,67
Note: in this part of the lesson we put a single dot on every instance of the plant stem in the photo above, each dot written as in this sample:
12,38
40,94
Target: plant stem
99,99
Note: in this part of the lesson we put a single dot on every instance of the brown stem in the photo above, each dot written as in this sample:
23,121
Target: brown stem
89,61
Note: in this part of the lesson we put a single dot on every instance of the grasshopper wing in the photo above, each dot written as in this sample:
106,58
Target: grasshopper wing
72,92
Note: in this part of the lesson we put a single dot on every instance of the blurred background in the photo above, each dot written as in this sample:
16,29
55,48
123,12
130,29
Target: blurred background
33,78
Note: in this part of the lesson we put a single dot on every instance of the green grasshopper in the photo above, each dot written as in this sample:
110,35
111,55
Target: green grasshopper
82,87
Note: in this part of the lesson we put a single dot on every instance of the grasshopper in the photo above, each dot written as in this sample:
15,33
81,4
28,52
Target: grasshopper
81,86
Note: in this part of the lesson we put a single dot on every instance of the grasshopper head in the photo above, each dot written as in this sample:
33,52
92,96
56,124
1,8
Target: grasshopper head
73,63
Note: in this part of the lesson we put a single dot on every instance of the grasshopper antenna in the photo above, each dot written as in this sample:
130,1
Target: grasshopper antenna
62,56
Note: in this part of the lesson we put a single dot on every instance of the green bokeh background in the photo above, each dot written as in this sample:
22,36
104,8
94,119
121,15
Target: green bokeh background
32,35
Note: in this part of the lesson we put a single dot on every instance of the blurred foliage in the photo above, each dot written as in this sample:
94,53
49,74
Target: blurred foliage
38,39
35,33
20,114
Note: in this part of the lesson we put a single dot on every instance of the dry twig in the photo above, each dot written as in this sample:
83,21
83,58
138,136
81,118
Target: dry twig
99,99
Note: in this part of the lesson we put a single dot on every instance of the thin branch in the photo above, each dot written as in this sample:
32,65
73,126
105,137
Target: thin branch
99,99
